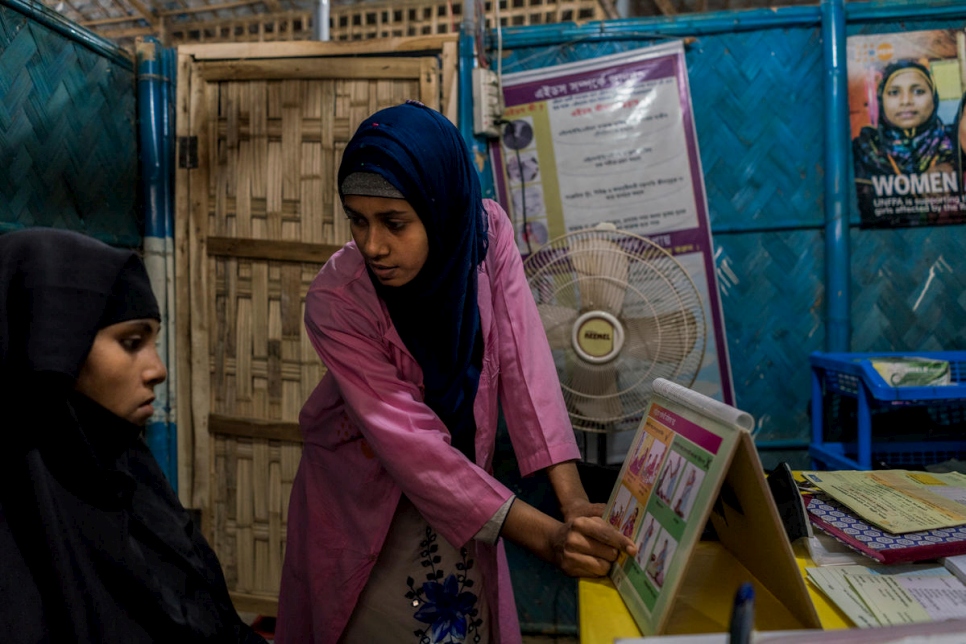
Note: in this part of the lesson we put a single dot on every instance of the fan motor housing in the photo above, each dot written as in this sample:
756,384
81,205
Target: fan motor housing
598,337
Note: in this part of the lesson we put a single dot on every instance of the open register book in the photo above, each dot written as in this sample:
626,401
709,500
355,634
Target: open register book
691,461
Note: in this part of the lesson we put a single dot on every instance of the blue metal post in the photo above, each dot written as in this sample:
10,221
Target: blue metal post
467,55
837,255
152,183
864,418
641,29
149,104
169,66
165,141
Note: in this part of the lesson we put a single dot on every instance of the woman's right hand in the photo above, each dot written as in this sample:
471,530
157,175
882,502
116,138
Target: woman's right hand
582,546
587,546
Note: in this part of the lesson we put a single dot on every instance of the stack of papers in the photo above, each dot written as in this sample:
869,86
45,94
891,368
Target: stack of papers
898,501
894,517
948,632
890,595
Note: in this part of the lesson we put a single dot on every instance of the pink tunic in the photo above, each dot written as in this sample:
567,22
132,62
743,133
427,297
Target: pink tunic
369,437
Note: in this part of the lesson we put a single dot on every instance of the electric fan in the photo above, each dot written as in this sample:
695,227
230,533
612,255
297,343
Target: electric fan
619,311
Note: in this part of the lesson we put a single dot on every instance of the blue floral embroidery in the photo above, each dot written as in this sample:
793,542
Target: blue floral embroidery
449,610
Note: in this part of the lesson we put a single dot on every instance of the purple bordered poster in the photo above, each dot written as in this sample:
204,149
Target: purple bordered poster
612,139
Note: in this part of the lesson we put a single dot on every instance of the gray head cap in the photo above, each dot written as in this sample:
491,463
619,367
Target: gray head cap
369,184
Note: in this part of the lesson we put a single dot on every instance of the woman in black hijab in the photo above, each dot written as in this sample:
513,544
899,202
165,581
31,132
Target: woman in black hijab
94,545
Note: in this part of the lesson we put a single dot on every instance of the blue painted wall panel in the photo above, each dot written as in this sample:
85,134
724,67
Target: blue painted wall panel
68,142
909,289
772,294
758,101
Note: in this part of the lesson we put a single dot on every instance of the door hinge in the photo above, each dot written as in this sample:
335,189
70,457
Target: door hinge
188,152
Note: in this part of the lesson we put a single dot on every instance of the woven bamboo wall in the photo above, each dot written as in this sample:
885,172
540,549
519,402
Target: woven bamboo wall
370,20
276,158
273,131
68,141
758,109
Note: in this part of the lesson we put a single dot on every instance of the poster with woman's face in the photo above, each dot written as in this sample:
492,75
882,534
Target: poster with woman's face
905,112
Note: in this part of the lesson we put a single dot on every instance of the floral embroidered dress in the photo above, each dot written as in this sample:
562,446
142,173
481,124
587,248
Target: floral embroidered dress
441,602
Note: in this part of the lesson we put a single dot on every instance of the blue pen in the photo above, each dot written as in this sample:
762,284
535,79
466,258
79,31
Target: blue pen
743,615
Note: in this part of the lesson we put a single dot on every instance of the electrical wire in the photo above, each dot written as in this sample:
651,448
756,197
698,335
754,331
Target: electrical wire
500,122
523,203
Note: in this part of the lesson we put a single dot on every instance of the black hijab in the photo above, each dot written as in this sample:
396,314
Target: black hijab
94,545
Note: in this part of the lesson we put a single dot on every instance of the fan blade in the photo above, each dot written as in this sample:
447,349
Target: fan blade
558,322
596,389
668,337
601,268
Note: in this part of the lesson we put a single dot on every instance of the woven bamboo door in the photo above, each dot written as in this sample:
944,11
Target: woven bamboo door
258,214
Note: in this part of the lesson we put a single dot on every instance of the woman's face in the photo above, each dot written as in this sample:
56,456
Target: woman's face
123,368
390,236
907,99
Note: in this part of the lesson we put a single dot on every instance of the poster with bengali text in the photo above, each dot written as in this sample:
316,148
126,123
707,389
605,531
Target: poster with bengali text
612,139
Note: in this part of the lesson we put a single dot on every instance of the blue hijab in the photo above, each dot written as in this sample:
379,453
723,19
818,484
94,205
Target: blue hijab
419,152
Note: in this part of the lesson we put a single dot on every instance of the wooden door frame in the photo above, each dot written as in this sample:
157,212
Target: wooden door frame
200,67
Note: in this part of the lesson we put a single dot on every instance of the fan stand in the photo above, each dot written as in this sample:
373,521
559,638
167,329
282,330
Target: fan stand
599,441
602,449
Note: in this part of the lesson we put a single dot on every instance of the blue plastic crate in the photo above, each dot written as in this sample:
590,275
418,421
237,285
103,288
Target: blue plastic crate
858,418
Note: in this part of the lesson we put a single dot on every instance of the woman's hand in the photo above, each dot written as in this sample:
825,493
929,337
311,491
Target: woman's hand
582,546
586,546
582,508
570,492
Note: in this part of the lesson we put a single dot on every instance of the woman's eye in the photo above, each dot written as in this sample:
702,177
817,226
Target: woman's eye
395,225
132,343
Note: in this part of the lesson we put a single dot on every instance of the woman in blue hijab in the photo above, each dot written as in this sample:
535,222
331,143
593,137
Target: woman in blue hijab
423,320
446,197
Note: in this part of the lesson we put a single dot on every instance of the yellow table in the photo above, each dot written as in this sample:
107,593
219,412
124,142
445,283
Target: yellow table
703,606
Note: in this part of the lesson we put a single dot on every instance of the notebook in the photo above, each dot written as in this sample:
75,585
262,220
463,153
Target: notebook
837,520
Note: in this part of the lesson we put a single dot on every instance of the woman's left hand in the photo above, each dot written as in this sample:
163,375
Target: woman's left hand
582,508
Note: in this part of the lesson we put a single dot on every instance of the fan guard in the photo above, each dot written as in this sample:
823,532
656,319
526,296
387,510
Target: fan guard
619,311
